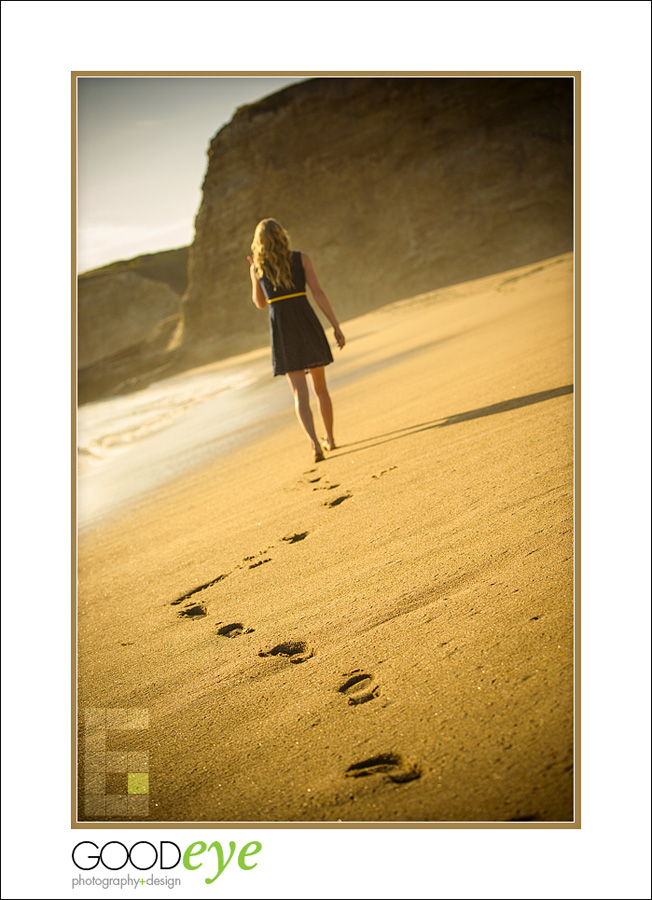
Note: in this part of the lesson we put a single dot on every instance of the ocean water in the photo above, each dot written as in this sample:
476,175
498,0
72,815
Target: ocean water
129,446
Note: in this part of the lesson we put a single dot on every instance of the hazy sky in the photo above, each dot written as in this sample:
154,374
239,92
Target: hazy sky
141,158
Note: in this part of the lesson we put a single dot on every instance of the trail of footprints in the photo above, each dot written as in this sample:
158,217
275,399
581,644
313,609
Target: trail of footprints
196,608
358,687
327,486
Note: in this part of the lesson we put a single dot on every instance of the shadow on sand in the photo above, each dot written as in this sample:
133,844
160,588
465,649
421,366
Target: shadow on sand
504,406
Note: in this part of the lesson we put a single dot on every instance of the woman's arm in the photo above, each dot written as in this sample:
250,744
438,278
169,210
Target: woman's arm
321,298
257,295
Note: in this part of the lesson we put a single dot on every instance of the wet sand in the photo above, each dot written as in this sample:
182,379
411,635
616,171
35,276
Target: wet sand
385,636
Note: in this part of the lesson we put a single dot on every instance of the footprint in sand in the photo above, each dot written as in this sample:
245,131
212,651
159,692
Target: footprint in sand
202,587
384,472
295,651
391,765
260,562
293,538
233,630
359,687
337,500
193,611
326,487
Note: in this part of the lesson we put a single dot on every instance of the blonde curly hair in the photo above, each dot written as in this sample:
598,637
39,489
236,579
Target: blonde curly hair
271,253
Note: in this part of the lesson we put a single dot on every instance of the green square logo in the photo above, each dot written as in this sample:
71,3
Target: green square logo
137,783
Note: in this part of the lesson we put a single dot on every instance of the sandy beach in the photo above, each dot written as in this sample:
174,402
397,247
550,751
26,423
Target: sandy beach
387,636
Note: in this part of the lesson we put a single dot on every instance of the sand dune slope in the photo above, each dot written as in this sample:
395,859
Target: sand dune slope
385,636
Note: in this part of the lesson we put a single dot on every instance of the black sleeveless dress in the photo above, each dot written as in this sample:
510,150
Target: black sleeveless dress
298,339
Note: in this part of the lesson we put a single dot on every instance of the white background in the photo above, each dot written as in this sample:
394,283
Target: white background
609,44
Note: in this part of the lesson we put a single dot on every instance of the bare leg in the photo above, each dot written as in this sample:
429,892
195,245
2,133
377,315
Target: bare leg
318,379
301,394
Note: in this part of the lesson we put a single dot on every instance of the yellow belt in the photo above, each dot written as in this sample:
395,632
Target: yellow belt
285,296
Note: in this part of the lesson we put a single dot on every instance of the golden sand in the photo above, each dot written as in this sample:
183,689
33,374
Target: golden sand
387,635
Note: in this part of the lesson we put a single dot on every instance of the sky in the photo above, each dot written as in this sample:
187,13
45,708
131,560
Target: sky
141,158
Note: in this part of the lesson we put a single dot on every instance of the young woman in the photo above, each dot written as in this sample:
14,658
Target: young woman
299,346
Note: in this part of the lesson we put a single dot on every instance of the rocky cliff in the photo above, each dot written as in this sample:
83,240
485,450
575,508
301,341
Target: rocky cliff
394,186
129,320
168,266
